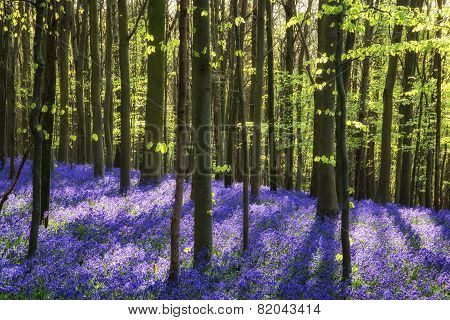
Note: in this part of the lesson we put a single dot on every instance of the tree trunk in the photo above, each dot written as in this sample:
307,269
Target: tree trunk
341,91
154,112
270,99
125,134
324,103
36,129
108,100
429,180
96,83
11,97
79,48
4,48
239,33
437,74
289,9
258,93
360,161
407,111
181,144
201,94
384,179
63,50
49,103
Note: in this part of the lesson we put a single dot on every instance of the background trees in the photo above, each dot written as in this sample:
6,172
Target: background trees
129,53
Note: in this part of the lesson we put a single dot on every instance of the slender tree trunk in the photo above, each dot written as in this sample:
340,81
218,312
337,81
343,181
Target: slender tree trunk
324,102
79,48
360,161
429,180
341,91
26,79
11,93
231,116
49,103
407,111
270,99
4,48
239,32
154,114
437,74
201,94
370,161
63,54
181,144
289,8
108,100
256,146
125,131
35,128
96,83
384,179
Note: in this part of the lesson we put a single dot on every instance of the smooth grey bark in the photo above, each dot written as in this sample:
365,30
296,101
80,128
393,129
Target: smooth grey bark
437,74
181,145
342,104
79,48
96,83
11,98
324,101
125,100
288,90
4,46
108,99
258,103
49,94
270,99
384,179
34,126
154,111
63,58
201,99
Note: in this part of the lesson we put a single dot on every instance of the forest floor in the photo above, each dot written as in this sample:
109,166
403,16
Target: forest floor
102,245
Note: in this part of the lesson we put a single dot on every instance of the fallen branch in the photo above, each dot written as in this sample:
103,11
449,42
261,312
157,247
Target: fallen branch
13,185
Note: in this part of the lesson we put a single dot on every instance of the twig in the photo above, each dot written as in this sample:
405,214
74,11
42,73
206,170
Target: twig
138,19
13,185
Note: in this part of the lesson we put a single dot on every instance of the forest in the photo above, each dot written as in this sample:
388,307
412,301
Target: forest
224,149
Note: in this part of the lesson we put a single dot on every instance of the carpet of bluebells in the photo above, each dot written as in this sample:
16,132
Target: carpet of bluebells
101,245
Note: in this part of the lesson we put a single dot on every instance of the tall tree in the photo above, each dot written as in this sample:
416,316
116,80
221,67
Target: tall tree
360,156
384,179
341,92
289,9
4,46
154,111
270,99
65,8
96,83
437,74
124,61
79,40
36,128
324,104
201,98
239,33
407,111
48,109
108,100
11,98
181,144
258,93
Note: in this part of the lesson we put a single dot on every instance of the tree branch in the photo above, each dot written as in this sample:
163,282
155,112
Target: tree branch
138,19
13,185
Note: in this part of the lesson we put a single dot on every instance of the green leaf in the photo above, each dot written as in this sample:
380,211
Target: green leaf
95,137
